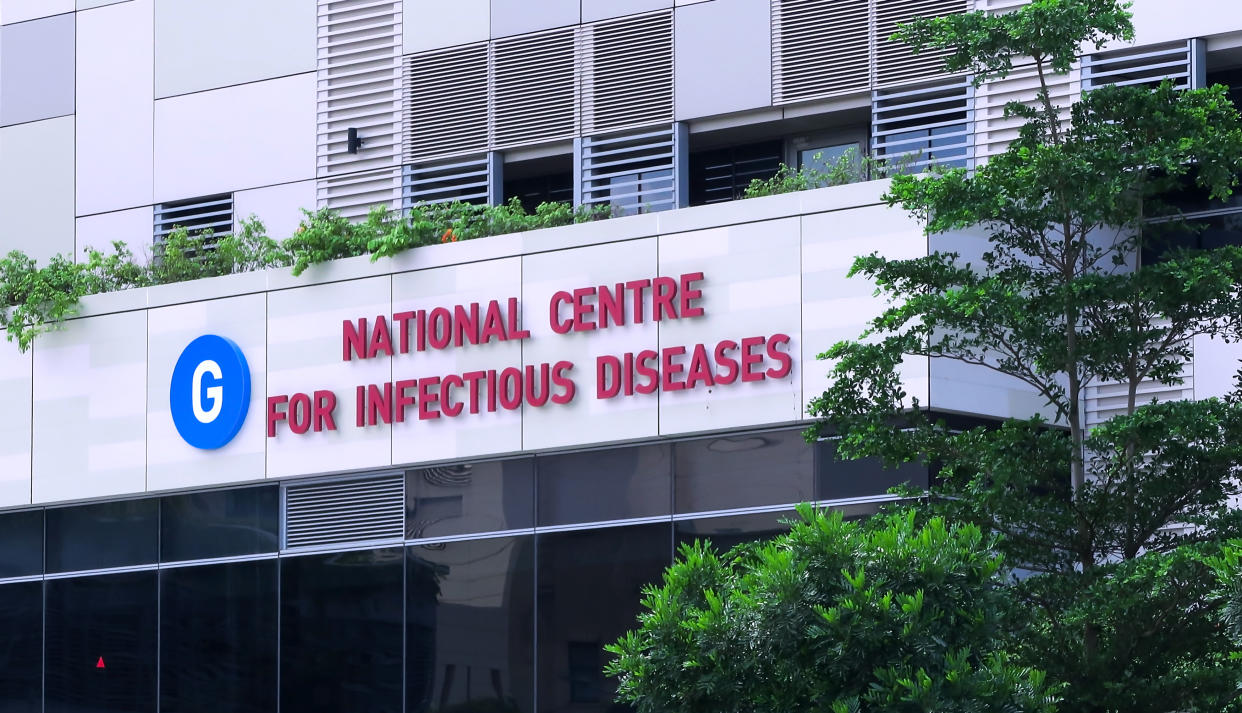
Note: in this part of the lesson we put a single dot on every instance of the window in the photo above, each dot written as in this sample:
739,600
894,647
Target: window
749,470
839,479
21,546
544,180
597,486
470,498
221,523
211,215
21,650
722,174
115,534
726,532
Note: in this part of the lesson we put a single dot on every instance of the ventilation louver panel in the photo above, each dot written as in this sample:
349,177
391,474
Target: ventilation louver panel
467,180
820,48
212,214
994,130
446,103
627,72
359,84
354,194
914,127
633,171
534,86
1147,66
345,512
1107,400
895,62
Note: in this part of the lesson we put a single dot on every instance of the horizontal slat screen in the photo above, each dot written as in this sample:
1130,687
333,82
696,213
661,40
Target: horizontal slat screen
350,511
465,179
895,62
534,85
924,125
626,72
634,172
820,48
446,103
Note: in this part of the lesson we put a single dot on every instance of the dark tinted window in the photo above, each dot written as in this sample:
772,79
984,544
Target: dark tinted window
533,190
726,532
723,174
101,643
470,613
604,485
220,524
341,632
590,584
835,479
743,471
21,647
218,638
21,543
114,534
469,498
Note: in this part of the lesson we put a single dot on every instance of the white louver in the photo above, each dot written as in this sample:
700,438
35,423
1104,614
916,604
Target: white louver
1181,62
626,72
196,215
1107,400
635,171
354,194
446,103
468,180
820,48
534,88
918,126
359,84
993,130
345,512
999,7
895,63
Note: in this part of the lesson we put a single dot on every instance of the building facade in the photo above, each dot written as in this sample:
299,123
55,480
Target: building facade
440,481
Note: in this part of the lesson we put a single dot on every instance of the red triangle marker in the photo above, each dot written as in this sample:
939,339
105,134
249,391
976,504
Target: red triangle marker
100,663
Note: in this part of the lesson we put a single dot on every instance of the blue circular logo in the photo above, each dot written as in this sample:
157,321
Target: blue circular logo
210,392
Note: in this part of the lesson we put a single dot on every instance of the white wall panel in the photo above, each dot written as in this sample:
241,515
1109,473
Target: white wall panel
586,419
90,408
205,44
467,434
1215,366
15,388
36,188
751,288
1163,21
304,355
36,70
115,71
171,462
432,24
602,9
21,10
279,207
835,307
99,231
724,42
239,137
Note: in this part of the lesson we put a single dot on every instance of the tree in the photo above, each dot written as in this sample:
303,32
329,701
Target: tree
838,616
1113,524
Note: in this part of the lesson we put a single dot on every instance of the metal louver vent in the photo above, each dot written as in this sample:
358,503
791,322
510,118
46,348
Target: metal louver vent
627,72
1181,62
819,48
446,103
354,194
635,172
916,127
468,180
993,130
342,512
359,79
895,63
196,215
534,88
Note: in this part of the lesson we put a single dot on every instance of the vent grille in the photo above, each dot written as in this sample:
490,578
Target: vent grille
351,511
993,130
895,63
806,64
1105,401
627,72
359,78
354,194
196,215
534,86
466,180
634,171
917,127
1148,66
446,103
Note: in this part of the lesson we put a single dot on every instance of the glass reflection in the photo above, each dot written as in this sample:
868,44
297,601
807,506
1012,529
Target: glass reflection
727,532
116,534
596,486
743,471
470,498
21,647
220,523
470,640
21,544
590,583
341,632
836,479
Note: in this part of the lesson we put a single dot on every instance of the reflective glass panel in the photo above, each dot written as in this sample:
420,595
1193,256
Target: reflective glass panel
21,543
116,534
221,523
470,617
612,484
218,638
743,471
21,648
341,631
835,479
470,498
726,532
590,584
101,643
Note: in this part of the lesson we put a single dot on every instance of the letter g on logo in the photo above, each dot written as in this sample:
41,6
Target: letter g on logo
210,392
